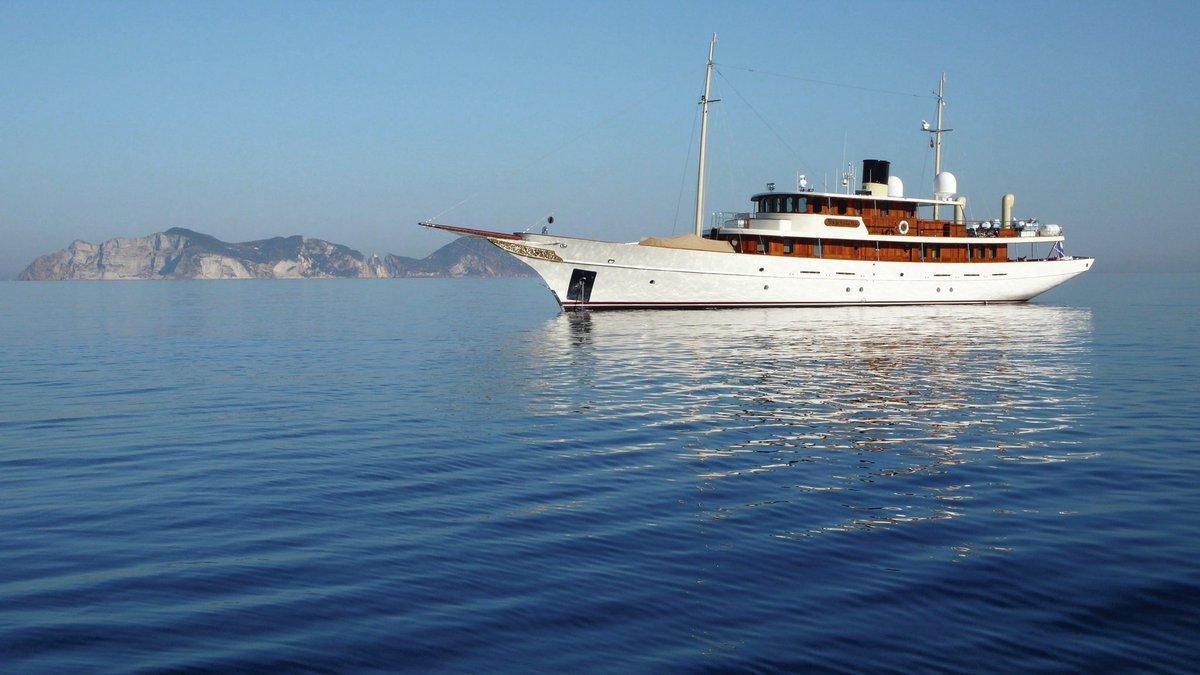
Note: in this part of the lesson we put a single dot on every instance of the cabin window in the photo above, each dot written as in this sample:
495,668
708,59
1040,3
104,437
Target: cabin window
884,210
801,205
841,206
934,253
817,248
762,246
787,247
789,204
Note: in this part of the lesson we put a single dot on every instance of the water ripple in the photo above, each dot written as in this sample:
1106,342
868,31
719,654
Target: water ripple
351,476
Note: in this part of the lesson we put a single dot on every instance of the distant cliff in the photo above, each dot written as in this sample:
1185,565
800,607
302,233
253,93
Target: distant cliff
184,254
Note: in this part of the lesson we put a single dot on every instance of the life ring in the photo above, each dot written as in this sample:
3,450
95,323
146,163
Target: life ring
902,228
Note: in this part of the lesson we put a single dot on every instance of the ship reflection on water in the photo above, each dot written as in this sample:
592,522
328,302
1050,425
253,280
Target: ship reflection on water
891,415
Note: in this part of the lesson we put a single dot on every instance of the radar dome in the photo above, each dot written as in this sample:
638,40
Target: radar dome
945,185
895,186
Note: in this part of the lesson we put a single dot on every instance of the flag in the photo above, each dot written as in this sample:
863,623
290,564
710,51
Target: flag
1056,251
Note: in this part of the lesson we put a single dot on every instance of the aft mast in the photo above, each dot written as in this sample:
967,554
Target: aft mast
704,101
937,132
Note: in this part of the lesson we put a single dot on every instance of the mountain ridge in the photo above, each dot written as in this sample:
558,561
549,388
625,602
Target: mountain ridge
180,253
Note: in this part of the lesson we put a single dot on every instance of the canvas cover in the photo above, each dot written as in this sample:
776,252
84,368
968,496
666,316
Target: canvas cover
690,242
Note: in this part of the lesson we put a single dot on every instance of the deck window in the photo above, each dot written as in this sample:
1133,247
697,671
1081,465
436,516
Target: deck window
787,247
801,205
841,206
762,246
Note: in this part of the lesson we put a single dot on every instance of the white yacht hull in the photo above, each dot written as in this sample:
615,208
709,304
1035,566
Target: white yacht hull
609,275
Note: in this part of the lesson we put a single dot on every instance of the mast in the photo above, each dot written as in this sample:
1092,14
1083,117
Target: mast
704,101
937,132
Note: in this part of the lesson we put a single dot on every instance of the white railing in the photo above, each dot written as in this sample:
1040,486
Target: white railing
719,218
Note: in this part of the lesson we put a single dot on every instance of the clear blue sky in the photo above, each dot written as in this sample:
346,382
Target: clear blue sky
352,121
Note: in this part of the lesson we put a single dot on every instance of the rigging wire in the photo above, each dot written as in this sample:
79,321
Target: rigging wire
795,154
638,101
827,82
725,137
683,172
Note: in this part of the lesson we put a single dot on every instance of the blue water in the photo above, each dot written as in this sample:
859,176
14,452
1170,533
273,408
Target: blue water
448,474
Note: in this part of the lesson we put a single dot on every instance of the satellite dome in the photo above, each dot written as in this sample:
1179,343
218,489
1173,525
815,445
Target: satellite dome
945,185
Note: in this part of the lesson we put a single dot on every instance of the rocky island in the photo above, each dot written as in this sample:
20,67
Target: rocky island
179,253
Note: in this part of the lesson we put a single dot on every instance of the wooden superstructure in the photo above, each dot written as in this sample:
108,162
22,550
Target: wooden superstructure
869,227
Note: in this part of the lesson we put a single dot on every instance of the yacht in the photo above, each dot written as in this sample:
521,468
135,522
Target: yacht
866,245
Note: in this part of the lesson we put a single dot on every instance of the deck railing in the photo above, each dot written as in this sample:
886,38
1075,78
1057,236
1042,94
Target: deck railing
970,228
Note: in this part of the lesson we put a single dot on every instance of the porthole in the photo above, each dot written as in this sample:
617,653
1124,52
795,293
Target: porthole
847,289
902,274
939,288
760,269
611,261
860,289
765,287
651,281
951,289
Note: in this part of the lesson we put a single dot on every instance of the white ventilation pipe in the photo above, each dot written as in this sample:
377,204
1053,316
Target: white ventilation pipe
1006,204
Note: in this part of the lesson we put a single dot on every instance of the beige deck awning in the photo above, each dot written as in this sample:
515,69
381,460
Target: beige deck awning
690,242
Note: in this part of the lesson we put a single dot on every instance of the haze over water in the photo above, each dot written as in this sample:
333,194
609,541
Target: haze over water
449,473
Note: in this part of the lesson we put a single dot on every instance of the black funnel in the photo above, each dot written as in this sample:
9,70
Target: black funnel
876,171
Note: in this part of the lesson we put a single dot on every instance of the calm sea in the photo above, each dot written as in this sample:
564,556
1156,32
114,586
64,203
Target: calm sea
449,474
